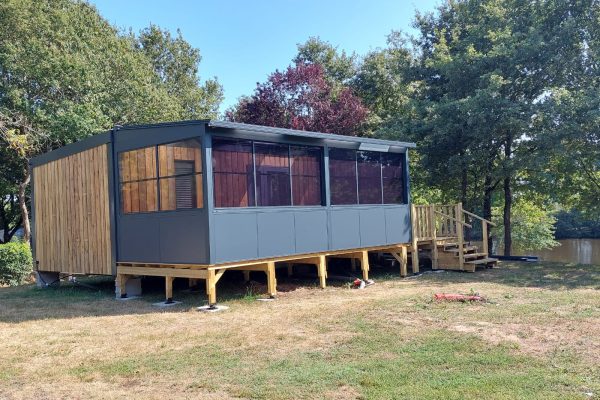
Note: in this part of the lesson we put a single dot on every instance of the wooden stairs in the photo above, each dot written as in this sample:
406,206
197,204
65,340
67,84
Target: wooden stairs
438,233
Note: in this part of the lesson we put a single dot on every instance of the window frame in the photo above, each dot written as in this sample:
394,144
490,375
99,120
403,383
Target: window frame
158,177
289,145
404,177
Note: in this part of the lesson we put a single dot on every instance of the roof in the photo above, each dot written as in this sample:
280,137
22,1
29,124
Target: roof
105,137
309,134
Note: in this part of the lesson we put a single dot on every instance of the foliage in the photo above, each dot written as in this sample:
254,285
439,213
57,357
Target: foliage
533,226
66,73
175,63
574,225
301,98
16,263
339,68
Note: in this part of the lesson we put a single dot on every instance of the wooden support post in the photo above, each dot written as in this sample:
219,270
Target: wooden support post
415,241
364,264
271,279
322,271
403,261
290,269
460,233
211,287
246,276
169,289
434,247
121,283
484,234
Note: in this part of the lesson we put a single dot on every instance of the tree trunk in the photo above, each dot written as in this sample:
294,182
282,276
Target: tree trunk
507,198
487,206
463,195
23,205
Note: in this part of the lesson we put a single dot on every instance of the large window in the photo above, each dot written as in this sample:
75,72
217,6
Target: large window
342,176
366,177
233,173
175,183
279,174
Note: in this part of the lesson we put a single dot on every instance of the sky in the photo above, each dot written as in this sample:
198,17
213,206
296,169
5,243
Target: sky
243,41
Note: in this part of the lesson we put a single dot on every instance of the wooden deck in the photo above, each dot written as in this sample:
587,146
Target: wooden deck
211,273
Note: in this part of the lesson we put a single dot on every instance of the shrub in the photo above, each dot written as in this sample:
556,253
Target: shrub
16,263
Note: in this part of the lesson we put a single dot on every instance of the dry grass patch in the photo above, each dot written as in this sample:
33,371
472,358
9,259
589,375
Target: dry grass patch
536,337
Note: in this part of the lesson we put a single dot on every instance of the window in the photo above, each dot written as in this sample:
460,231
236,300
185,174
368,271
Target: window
272,174
138,180
392,171
306,175
233,173
342,176
180,175
369,177
248,174
175,183
366,177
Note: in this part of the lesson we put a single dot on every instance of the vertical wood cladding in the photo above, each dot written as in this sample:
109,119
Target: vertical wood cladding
72,219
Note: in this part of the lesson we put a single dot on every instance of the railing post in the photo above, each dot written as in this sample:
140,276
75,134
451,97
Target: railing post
484,234
414,252
460,233
434,248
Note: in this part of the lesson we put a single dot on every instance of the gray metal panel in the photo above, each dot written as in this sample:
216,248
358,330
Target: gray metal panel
234,235
73,148
275,232
138,238
183,237
315,135
311,231
136,137
397,224
344,228
372,226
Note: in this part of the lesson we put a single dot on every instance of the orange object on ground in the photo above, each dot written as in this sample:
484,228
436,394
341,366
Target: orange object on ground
457,297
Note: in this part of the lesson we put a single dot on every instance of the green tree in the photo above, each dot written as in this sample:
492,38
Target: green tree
339,67
66,73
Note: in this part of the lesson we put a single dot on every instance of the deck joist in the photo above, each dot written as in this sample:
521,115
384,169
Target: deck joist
211,273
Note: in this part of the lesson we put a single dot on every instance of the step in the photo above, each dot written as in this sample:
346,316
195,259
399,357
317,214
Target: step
474,255
456,250
487,260
447,246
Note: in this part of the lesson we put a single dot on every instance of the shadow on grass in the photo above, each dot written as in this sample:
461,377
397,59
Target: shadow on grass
96,296
543,275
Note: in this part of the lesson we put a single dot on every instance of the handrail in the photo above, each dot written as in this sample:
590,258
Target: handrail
454,219
478,217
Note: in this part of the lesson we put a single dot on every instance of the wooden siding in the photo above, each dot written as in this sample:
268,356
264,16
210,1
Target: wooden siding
72,219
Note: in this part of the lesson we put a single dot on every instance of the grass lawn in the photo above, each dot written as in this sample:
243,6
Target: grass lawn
538,337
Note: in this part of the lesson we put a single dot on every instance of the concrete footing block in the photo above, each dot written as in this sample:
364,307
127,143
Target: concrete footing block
133,288
166,304
212,308
44,279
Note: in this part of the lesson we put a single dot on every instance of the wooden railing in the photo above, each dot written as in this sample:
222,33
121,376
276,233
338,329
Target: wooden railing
435,222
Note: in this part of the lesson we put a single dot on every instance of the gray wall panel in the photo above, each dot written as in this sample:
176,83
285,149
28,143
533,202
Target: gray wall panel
345,228
183,238
275,233
311,231
139,239
235,236
397,220
372,226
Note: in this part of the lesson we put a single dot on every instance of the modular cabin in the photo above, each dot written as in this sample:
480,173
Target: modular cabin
195,199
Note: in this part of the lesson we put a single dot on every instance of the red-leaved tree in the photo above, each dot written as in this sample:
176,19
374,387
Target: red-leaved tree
301,98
